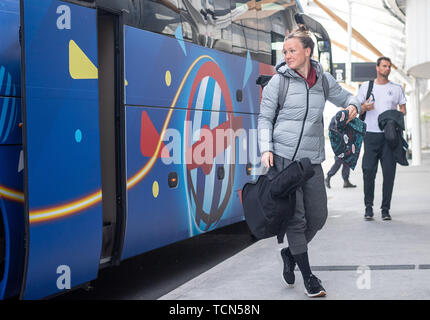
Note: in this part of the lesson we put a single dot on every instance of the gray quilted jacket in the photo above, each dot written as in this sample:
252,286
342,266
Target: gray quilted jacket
299,131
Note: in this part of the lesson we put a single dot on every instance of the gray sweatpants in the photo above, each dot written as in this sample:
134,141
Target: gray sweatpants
311,208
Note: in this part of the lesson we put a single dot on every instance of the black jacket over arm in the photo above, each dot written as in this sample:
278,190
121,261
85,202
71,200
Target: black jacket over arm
393,124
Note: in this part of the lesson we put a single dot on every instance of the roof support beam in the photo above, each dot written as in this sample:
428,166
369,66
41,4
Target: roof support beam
355,34
360,38
353,52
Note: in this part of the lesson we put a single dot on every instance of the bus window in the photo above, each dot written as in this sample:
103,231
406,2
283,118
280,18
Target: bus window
264,30
325,61
187,29
245,27
162,17
324,54
221,19
207,23
193,21
251,38
277,46
238,37
248,13
321,51
316,49
264,47
289,21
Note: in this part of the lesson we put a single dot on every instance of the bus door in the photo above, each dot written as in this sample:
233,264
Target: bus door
111,84
61,141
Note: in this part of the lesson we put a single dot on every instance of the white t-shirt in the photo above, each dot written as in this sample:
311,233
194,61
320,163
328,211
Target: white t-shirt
387,97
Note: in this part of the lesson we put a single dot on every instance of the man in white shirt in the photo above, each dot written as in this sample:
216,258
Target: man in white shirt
385,95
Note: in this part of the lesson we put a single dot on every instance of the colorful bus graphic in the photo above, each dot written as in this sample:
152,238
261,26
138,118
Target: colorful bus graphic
125,126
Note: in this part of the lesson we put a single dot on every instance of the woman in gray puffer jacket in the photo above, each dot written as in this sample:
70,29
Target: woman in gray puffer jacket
299,133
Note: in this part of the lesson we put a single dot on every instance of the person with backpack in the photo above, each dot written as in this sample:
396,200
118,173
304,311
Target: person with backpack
294,130
376,97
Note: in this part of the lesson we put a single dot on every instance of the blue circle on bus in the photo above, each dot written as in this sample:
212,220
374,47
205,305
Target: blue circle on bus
78,135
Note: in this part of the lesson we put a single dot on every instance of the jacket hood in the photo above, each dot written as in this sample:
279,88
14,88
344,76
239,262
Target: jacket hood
284,69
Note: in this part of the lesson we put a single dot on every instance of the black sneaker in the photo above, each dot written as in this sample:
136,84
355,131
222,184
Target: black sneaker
288,271
347,184
314,288
385,215
369,214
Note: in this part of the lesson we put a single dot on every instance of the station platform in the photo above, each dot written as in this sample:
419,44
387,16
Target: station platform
354,258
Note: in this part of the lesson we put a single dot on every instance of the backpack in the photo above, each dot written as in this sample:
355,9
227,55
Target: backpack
369,92
263,80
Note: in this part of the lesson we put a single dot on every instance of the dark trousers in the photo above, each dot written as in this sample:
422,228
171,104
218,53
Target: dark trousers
335,168
311,208
376,149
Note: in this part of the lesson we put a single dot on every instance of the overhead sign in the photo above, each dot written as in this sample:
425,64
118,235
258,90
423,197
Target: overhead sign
363,71
339,71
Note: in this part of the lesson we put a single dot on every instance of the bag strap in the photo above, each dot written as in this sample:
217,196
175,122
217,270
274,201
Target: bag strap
369,89
326,90
362,116
326,87
284,83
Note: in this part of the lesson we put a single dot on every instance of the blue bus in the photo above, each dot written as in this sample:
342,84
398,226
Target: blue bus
125,126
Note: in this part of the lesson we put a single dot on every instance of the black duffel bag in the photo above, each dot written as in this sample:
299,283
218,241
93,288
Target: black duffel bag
270,201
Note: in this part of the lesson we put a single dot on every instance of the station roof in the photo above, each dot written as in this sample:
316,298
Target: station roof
381,22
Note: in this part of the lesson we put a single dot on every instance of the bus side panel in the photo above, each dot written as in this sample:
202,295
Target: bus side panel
255,168
152,219
191,97
174,57
11,174
12,215
62,146
157,214
10,50
243,173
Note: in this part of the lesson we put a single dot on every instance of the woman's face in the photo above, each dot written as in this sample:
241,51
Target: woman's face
294,53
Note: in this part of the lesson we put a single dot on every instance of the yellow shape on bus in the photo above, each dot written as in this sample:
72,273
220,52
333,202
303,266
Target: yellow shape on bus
80,66
155,189
168,78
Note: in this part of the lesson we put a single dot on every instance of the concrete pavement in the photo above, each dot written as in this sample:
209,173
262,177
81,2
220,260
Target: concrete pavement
355,259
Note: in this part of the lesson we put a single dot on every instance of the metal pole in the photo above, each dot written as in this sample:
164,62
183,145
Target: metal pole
416,125
348,61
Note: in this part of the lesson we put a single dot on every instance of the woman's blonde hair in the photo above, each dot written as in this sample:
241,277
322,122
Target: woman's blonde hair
303,35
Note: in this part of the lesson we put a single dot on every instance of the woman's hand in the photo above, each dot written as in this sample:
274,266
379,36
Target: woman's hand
352,112
267,159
